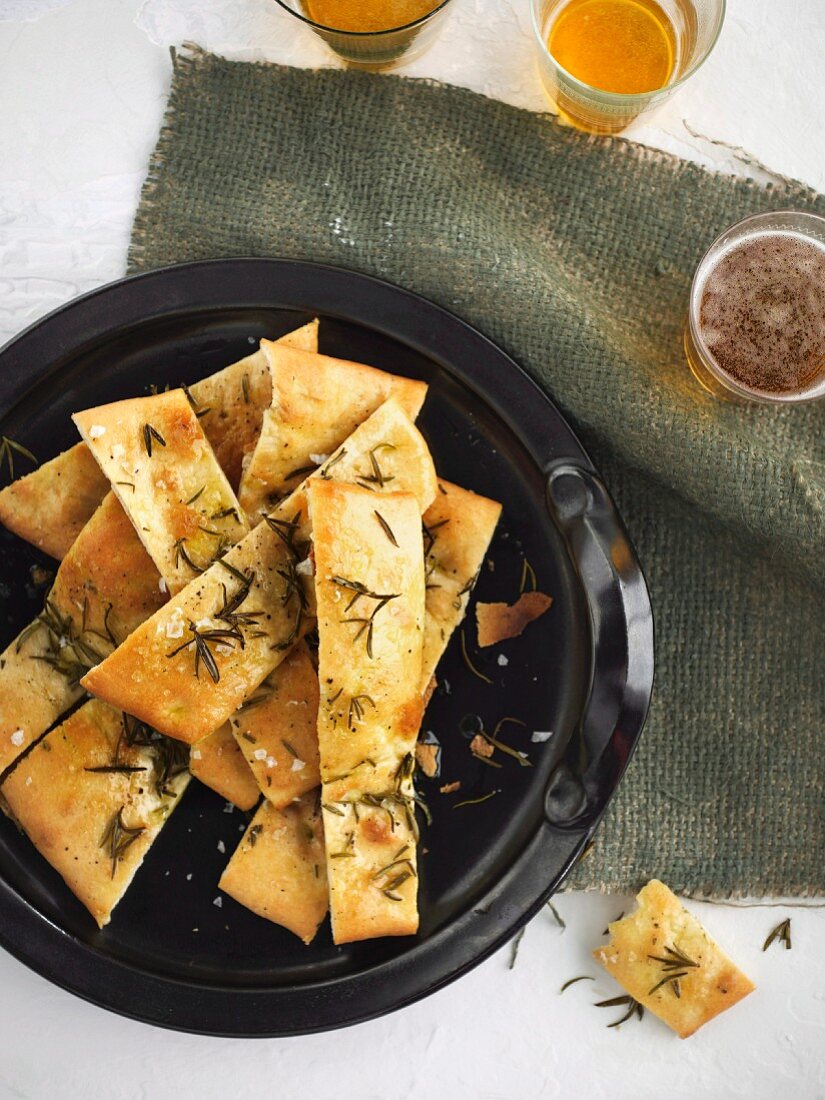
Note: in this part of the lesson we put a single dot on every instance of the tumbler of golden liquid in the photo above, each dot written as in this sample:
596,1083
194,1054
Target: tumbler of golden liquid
605,62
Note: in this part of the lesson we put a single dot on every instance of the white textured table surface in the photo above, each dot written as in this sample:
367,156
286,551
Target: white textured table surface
82,89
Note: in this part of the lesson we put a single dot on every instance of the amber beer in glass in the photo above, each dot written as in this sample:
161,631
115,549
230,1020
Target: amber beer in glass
756,321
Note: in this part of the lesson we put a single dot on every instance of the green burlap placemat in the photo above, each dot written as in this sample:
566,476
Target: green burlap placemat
575,255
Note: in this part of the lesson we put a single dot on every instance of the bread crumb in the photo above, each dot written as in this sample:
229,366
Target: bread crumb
498,621
450,788
427,758
480,746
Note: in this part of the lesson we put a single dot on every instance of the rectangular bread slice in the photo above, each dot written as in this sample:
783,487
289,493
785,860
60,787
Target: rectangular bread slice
94,825
278,869
317,401
218,763
180,672
369,586
666,961
165,475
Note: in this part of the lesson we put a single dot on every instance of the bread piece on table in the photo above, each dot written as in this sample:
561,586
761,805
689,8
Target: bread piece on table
166,476
458,527
49,507
218,763
277,730
278,869
317,401
665,959
105,586
93,827
154,673
369,584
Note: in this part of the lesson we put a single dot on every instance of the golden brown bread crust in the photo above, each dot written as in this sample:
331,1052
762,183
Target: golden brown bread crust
499,621
458,527
218,762
644,948
277,730
317,401
278,869
67,811
165,474
370,607
145,676
49,506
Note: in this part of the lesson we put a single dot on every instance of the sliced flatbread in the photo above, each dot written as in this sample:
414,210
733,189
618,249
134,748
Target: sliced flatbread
369,584
458,527
218,763
278,868
49,507
317,402
184,679
105,586
666,961
277,730
93,827
165,474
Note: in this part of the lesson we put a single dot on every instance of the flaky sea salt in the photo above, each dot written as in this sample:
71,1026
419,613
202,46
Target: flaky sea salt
502,660
221,847
538,736
218,902
96,431
305,567
259,754
18,737
163,586
318,459
175,628
298,765
196,754
271,762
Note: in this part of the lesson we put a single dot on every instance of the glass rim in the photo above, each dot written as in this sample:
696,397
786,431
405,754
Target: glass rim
363,34
693,328
626,97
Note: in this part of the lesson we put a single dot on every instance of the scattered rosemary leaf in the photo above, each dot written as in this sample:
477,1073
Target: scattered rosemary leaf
514,946
300,472
289,748
469,663
782,933
254,833
127,484
196,496
572,981
8,449
385,527
556,916
474,801
245,389
527,573
631,1002
116,769
118,838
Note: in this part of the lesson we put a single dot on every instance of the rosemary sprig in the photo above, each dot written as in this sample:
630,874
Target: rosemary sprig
556,916
201,640
198,410
514,946
356,709
245,389
197,496
149,434
8,449
474,801
572,981
116,769
377,475
286,531
118,838
633,1006
528,574
332,462
782,933
182,554
385,527
301,472
492,739
430,535
366,623
675,965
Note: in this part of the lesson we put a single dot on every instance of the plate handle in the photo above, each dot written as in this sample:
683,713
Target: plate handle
621,627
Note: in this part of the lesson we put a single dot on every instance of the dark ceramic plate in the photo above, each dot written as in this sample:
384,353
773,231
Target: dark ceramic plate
584,671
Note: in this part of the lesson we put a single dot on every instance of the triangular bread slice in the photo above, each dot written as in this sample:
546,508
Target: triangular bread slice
277,730
165,474
49,507
93,824
217,761
317,401
105,587
278,869
369,586
183,672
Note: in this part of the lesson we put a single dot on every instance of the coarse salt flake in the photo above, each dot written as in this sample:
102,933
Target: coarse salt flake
221,847
163,586
218,901
202,624
259,754
96,431
271,762
118,451
305,567
538,736
18,737
175,628
318,459
229,808
298,765
503,661
196,754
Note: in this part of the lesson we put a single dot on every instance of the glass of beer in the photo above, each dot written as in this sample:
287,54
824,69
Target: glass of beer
372,34
605,62
756,321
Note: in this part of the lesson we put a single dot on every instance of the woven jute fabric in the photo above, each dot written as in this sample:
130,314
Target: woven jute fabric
575,255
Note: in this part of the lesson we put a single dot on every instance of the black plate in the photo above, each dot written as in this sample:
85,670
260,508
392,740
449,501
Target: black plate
171,956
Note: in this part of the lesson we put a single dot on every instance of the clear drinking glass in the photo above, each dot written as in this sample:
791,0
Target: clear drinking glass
376,49
696,24
783,312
